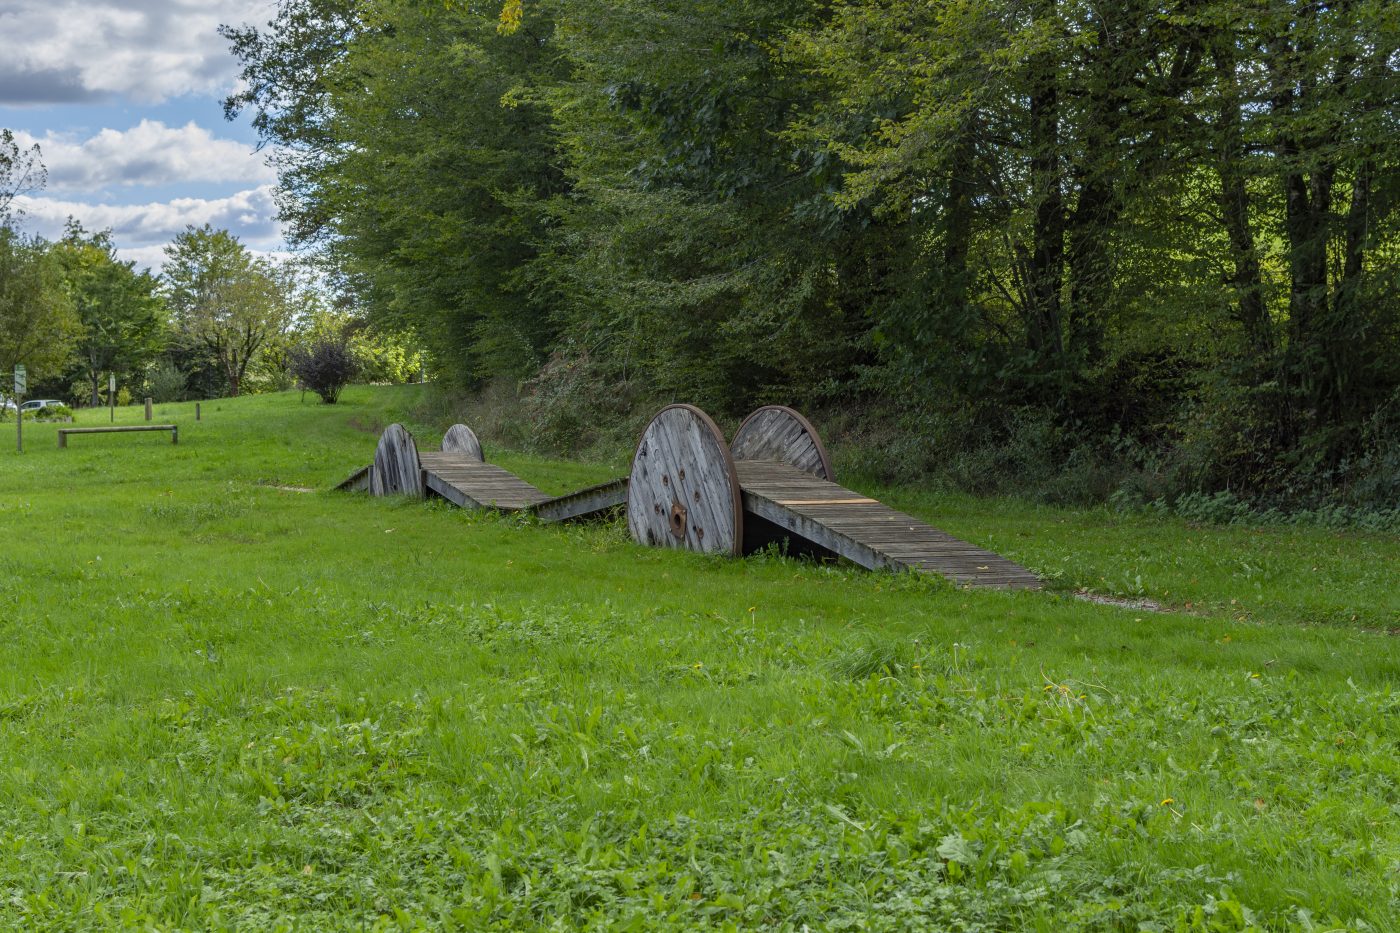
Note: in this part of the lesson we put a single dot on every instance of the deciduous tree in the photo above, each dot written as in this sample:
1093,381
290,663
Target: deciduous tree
223,298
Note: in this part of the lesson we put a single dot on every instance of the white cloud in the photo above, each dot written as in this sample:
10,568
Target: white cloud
153,257
150,50
149,153
142,229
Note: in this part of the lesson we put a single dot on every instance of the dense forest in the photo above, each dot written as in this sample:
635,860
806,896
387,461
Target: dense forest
1148,250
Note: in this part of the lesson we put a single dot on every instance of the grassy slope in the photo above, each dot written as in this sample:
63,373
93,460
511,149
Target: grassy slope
229,703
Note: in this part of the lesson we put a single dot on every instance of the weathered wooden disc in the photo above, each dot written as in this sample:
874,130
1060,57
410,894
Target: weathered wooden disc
683,491
776,432
461,439
397,471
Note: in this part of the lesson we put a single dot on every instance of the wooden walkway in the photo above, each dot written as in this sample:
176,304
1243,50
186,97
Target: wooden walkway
472,484
866,531
594,500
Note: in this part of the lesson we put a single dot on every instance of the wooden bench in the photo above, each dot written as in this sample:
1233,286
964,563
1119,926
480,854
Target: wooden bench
172,428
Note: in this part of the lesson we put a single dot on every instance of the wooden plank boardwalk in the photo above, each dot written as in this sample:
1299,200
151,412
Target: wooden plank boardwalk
584,503
866,531
472,484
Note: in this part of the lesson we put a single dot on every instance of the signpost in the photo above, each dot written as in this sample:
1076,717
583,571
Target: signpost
21,387
112,396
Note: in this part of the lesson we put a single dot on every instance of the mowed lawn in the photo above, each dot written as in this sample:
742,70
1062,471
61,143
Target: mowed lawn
232,698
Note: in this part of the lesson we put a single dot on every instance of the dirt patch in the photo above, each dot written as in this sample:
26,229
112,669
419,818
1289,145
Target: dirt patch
372,426
283,487
1137,605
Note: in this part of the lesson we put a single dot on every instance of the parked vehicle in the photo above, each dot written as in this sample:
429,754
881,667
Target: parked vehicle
35,404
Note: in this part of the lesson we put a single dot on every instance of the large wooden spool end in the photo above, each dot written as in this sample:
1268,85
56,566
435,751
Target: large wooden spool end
683,491
776,432
396,471
461,439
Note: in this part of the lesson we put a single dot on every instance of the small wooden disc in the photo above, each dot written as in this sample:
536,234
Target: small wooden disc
397,471
776,432
683,491
461,439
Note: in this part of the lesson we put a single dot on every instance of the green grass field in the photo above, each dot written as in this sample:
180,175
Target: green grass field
228,700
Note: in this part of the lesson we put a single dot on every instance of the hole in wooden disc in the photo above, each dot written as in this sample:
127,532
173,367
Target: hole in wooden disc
678,521
699,532
656,507
682,475
697,495
665,480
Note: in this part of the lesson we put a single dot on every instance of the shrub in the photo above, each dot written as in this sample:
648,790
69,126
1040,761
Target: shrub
325,365
50,413
166,382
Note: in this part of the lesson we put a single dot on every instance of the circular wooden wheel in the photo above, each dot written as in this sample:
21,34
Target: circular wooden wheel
683,491
776,432
397,471
461,439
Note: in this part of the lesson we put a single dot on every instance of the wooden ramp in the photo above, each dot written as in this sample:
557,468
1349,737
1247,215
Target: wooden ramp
472,484
866,531
595,500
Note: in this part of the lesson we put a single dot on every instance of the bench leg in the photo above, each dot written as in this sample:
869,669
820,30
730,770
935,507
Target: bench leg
174,435
62,440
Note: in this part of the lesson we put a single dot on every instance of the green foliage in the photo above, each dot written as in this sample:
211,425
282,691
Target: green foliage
405,162
124,322
21,171
165,382
50,413
328,719
38,325
225,301
1164,237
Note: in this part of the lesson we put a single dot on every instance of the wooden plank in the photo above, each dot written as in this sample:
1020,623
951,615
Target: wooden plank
172,428
357,481
866,531
682,491
397,470
472,484
461,439
585,503
128,429
777,433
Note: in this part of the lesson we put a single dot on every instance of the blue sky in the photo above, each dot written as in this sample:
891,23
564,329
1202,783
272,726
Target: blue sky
123,98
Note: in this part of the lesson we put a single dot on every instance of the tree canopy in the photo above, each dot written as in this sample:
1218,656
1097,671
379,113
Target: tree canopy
38,326
223,299
123,319
1166,232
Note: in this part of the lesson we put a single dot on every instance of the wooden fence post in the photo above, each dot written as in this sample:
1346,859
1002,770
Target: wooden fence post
148,409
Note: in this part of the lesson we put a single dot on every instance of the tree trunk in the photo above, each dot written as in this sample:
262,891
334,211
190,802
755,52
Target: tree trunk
1234,206
957,222
1047,251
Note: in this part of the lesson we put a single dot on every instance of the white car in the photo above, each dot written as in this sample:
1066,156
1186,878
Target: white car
37,403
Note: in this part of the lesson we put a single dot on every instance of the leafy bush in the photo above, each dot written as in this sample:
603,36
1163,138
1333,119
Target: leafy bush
51,413
166,382
123,396
325,365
